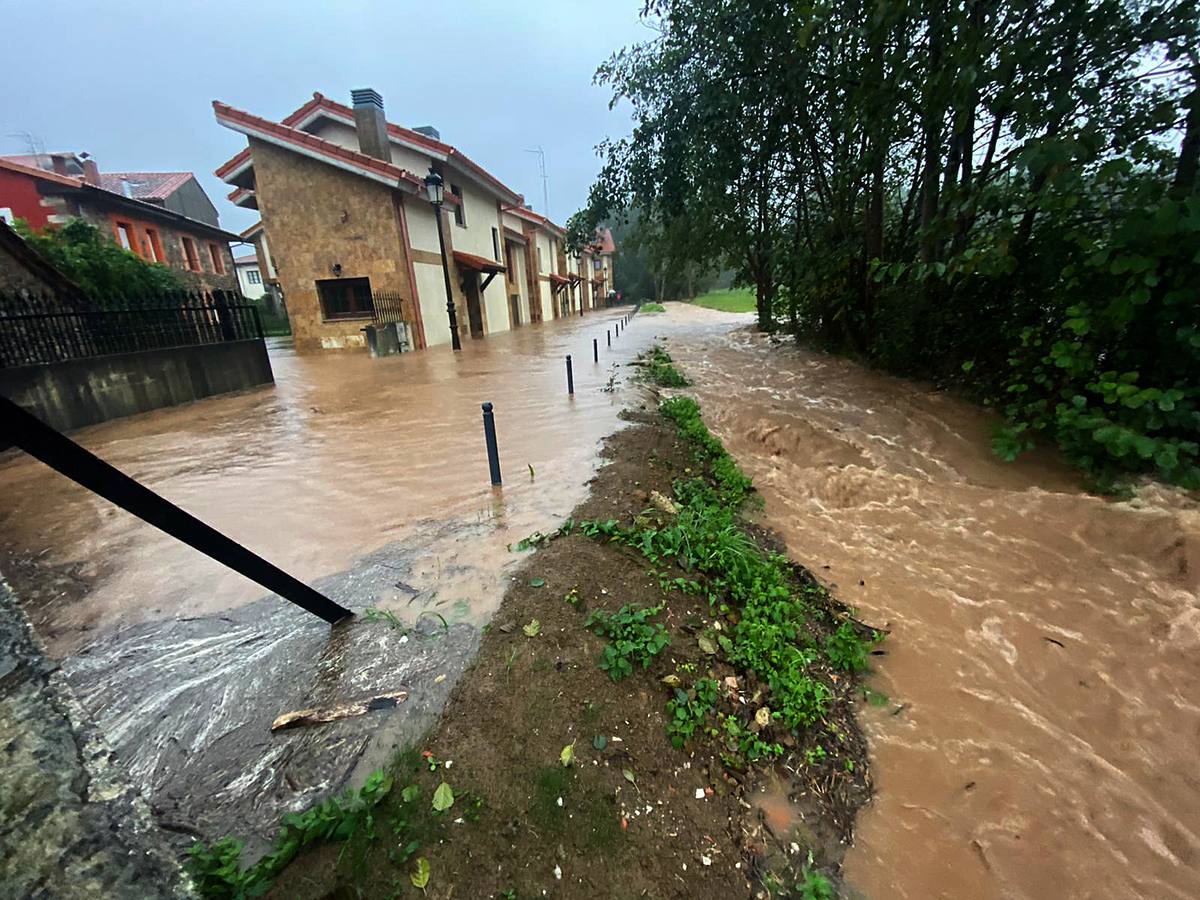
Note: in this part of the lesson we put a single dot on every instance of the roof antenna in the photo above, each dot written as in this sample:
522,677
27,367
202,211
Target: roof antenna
541,155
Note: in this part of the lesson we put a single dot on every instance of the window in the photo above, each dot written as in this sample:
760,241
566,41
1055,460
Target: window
346,298
496,244
597,264
191,258
253,276
125,237
218,260
460,211
153,246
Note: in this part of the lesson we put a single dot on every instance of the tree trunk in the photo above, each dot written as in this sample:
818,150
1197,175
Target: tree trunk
1189,151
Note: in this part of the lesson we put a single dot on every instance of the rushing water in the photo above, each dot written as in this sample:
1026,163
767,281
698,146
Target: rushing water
1043,665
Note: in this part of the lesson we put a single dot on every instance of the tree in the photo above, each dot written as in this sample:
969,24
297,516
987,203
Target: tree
995,193
98,265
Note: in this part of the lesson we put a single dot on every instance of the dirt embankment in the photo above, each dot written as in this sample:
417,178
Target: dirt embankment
631,815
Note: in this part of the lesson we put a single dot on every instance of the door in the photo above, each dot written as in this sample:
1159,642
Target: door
474,307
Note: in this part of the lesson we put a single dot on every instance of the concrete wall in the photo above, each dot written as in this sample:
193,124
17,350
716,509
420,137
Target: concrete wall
82,392
318,216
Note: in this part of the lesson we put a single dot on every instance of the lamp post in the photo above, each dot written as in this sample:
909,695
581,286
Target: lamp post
433,187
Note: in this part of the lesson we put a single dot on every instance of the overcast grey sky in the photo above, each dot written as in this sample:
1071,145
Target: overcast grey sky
134,88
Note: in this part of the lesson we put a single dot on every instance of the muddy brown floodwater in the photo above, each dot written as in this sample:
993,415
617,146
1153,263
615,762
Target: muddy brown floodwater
1043,668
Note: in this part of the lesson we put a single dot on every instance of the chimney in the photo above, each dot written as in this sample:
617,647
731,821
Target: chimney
370,124
91,172
59,163
428,131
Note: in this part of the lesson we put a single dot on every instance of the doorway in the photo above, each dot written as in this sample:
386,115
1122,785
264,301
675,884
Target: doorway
474,305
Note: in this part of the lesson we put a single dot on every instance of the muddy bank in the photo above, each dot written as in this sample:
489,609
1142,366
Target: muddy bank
632,815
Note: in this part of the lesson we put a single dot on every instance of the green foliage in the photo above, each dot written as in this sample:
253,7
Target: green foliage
653,308
216,869
100,266
737,300
748,743
632,638
814,886
947,192
846,650
658,368
687,710
685,413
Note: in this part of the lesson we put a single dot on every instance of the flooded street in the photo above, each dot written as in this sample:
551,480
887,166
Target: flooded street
1043,666
1042,670
345,455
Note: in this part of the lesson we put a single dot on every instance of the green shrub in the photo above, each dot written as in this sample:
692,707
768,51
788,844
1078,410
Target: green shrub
632,638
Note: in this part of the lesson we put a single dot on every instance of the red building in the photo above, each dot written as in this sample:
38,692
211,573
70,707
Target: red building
162,217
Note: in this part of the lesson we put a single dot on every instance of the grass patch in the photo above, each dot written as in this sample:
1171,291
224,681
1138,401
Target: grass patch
653,308
392,807
737,300
658,368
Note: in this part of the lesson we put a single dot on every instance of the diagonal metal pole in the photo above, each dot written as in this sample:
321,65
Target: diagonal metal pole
31,434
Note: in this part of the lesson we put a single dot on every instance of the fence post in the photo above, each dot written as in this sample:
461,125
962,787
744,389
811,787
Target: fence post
570,377
489,438
62,454
257,322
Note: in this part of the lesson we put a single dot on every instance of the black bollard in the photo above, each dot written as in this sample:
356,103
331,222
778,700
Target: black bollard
595,350
489,437
608,336
570,377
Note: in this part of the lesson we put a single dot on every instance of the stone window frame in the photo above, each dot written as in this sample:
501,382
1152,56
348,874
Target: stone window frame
191,254
154,243
357,312
218,261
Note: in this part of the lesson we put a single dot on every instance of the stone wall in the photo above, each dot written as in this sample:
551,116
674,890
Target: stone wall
317,217
80,392
73,826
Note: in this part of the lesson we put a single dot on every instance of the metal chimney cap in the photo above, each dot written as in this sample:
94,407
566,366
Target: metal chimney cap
366,97
428,131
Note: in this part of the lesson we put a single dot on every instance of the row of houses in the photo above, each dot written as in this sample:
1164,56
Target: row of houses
347,235
346,224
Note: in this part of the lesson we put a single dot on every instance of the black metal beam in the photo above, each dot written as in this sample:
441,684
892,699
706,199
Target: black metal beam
487,281
35,437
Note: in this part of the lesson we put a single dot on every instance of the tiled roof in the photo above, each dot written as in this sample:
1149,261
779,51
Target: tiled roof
145,185
248,260
318,146
17,168
320,102
605,239
524,212
477,263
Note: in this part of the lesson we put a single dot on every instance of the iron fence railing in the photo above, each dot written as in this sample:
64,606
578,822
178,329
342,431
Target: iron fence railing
388,306
49,328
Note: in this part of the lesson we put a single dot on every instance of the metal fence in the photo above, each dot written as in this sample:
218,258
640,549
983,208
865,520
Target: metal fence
388,306
49,328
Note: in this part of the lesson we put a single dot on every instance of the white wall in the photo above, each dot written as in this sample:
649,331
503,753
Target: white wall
252,291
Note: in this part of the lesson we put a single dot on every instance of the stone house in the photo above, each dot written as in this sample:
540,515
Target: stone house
346,220
162,217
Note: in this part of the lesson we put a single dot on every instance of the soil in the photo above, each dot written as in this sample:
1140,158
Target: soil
588,830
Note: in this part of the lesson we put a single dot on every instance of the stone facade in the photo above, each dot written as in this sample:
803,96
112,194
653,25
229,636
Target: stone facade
319,217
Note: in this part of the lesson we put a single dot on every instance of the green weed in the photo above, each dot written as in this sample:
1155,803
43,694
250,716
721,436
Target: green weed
632,638
687,710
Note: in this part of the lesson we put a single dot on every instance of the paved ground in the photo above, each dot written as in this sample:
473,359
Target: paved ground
71,827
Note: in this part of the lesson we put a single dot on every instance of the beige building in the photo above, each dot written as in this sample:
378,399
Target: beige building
349,236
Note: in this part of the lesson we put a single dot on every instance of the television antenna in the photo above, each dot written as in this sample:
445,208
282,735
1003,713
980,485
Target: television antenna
541,155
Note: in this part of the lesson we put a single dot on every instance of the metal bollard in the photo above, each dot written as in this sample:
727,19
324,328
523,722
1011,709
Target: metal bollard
489,437
570,377
595,350
608,336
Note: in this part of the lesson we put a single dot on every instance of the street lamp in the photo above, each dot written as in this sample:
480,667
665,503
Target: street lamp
434,189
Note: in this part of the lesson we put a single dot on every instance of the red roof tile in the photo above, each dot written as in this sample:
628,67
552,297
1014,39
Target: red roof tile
320,102
34,172
322,147
477,263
